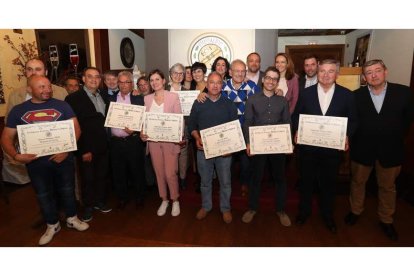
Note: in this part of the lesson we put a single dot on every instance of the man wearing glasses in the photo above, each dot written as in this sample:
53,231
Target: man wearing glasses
126,149
385,113
266,108
143,86
238,90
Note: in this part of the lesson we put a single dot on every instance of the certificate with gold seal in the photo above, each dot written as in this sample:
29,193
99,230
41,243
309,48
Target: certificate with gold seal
222,139
163,127
270,139
121,115
322,131
47,138
187,98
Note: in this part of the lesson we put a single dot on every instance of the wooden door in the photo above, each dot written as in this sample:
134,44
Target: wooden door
298,52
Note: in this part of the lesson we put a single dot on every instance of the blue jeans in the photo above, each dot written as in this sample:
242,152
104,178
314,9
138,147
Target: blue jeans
205,169
50,180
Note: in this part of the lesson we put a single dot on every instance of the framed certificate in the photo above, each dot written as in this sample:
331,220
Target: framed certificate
187,98
222,139
121,115
322,131
47,138
270,139
163,127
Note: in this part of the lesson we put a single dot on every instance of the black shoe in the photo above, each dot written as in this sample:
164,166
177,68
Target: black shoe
102,208
87,214
301,219
389,231
183,184
330,224
351,218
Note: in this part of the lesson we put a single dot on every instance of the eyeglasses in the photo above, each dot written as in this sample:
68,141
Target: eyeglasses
179,74
269,78
124,82
143,85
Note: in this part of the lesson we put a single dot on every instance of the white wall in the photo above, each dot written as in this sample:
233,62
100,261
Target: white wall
179,42
305,40
115,37
395,48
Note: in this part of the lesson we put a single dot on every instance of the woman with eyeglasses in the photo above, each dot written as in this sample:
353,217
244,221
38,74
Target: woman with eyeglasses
289,81
164,155
177,73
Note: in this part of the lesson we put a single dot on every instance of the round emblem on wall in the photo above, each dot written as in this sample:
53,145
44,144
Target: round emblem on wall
127,52
207,47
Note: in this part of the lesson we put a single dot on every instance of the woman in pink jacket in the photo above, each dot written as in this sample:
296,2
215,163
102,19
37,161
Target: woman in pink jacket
289,81
164,155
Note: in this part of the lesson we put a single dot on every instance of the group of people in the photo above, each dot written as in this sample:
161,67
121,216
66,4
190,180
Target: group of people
378,114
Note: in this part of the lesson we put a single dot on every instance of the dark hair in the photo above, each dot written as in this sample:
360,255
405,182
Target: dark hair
198,65
213,67
71,77
290,68
90,68
309,56
254,53
142,78
153,72
273,69
110,73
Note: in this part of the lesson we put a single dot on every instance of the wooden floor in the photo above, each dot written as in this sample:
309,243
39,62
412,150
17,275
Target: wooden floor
142,227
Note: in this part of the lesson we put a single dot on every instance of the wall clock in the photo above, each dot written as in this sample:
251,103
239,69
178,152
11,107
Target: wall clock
207,47
127,52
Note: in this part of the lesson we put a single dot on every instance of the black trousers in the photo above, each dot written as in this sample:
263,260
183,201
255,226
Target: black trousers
94,185
277,169
127,161
323,170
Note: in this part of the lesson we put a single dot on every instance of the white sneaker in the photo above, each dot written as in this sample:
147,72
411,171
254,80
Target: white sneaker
74,222
163,208
175,208
51,230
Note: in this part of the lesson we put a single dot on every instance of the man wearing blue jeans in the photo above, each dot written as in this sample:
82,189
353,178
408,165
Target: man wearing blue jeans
215,110
52,173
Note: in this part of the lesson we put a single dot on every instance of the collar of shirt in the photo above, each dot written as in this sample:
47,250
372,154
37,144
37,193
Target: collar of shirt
125,99
325,98
218,98
311,81
90,93
254,78
382,92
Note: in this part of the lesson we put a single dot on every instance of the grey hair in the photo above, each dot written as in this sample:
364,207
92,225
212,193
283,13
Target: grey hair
330,61
126,74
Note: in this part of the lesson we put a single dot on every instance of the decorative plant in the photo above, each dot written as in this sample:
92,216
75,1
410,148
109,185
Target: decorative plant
25,51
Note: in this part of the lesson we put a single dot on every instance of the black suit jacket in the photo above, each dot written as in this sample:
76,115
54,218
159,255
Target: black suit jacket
259,82
342,105
94,137
381,136
302,83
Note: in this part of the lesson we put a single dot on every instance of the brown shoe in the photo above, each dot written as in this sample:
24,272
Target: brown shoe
201,214
244,190
227,217
248,216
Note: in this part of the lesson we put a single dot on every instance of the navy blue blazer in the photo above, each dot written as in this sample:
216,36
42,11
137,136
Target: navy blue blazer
342,105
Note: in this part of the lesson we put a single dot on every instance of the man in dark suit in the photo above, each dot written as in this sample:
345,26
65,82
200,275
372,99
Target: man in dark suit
89,107
253,69
319,164
127,148
310,66
385,113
